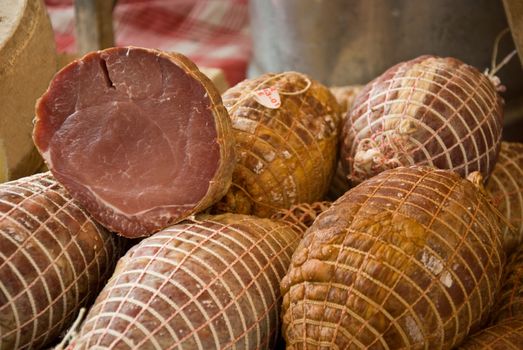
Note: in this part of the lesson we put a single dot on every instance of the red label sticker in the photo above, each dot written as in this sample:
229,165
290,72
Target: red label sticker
268,97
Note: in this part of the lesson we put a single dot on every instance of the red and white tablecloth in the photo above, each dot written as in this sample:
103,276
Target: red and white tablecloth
213,33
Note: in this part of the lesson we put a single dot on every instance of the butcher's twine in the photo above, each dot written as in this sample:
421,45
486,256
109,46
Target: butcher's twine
73,331
382,151
494,68
252,92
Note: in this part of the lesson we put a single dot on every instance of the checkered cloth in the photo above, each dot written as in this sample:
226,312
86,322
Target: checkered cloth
213,33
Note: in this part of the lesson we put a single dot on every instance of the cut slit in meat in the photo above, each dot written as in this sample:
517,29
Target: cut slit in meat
137,136
105,71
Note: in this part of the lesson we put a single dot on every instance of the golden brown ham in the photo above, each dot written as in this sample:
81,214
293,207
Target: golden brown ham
410,259
506,335
506,189
286,150
510,299
507,329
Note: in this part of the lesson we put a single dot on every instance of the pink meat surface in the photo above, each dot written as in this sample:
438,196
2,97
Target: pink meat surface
132,135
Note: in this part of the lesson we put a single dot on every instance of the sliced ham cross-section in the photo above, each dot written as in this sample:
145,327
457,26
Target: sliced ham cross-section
137,136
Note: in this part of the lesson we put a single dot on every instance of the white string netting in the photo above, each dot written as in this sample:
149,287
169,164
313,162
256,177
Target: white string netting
429,111
208,283
496,67
54,260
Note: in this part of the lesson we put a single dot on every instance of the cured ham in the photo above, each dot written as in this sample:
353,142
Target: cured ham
137,136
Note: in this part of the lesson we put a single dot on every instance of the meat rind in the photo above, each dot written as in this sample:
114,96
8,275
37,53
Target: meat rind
54,259
410,259
506,189
431,111
207,283
138,136
286,155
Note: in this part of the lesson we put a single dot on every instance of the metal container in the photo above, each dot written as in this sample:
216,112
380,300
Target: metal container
342,42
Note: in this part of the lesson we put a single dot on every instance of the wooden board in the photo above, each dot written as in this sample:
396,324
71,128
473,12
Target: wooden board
514,11
27,63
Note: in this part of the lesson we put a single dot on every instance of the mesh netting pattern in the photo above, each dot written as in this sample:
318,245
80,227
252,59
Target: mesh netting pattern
301,215
510,300
54,259
506,189
506,335
211,283
411,258
285,155
429,111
